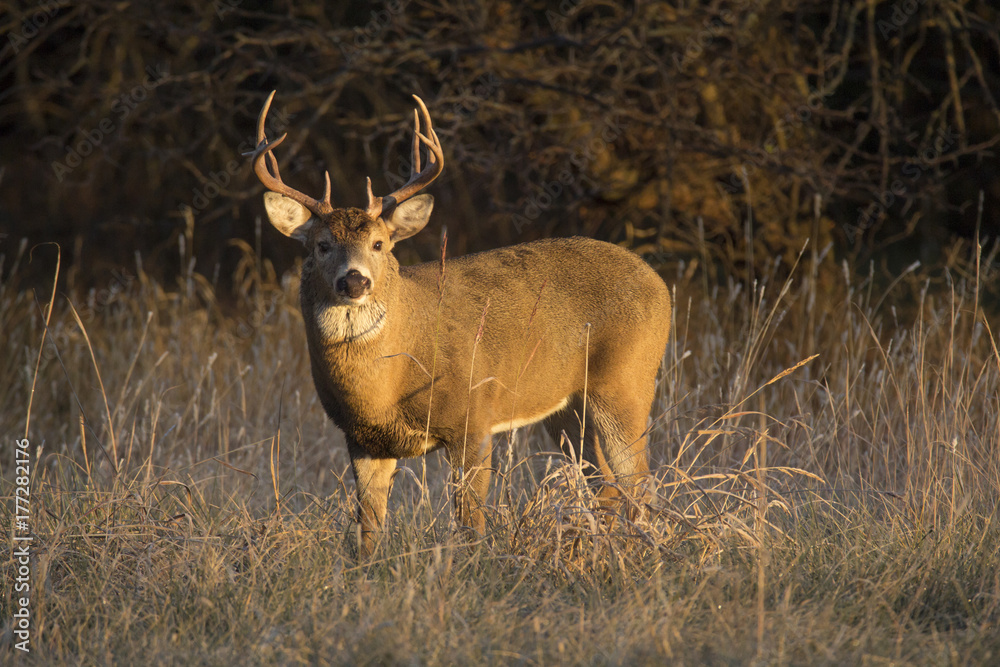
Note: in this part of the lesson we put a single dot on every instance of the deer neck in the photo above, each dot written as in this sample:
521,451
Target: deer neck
344,337
338,325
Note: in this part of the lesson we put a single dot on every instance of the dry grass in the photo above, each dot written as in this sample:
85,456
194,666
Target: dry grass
190,502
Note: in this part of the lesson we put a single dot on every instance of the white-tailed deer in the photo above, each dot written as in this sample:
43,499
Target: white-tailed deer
574,333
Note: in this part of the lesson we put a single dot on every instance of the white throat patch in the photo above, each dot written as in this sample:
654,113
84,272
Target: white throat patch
339,324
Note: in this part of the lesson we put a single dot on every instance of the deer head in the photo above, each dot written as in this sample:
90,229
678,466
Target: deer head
350,248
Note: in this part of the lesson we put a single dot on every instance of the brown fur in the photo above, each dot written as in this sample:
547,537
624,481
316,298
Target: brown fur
376,391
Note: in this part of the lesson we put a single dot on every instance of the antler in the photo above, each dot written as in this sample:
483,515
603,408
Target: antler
264,163
419,179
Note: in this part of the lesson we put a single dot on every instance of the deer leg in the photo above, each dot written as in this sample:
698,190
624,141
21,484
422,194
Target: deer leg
617,438
470,474
373,479
613,443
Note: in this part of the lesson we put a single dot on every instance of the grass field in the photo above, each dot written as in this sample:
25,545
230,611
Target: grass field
827,466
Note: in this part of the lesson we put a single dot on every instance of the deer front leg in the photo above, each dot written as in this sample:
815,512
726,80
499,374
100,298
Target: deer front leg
373,479
470,475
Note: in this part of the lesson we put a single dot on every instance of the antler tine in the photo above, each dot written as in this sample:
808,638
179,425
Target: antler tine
419,178
433,146
273,165
262,117
415,167
264,163
326,191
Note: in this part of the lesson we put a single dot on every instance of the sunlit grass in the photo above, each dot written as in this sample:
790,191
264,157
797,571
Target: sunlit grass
830,509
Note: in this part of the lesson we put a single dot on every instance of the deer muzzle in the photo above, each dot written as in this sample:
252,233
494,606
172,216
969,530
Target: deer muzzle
354,285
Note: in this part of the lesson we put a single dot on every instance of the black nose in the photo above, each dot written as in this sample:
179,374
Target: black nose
353,284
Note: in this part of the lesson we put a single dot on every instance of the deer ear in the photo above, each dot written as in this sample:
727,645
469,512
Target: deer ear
409,217
288,216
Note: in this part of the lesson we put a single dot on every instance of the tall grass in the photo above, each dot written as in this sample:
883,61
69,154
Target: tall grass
826,461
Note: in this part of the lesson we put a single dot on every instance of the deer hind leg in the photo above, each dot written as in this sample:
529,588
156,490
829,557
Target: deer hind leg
373,479
620,440
614,442
470,473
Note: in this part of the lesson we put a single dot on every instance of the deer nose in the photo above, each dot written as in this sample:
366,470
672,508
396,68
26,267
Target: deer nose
353,285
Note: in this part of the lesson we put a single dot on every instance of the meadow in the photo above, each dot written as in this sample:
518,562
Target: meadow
826,458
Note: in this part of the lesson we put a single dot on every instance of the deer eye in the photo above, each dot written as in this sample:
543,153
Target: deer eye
378,246
323,247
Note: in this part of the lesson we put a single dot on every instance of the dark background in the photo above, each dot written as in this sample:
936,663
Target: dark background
685,130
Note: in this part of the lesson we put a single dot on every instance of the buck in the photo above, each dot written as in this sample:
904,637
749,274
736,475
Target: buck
407,360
